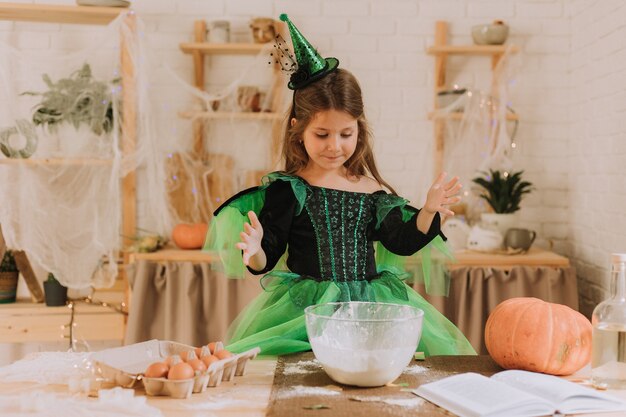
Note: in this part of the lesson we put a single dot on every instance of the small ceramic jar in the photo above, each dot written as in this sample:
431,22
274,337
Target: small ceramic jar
219,31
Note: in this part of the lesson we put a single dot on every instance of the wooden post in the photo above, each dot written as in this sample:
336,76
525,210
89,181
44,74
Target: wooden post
276,92
199,30
497,122
25,268
129,132
441,35
3,245
129,142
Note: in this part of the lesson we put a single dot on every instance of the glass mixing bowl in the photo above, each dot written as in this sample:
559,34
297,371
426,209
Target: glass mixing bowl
362,343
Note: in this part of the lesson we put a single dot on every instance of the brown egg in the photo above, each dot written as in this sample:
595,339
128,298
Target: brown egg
180,371
204,352
211,346
197,365
208,360
188,355
173,360
198,351
157,370
223,354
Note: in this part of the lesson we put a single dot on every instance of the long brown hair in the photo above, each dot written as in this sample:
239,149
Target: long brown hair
340,91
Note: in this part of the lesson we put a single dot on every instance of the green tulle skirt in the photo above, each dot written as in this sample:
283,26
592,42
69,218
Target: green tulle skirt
275,320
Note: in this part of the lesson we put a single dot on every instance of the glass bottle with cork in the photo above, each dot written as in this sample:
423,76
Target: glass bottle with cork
608,358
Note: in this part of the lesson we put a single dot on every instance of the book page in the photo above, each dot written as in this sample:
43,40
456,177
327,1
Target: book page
566,396
475,395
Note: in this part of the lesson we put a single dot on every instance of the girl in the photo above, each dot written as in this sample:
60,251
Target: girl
327,210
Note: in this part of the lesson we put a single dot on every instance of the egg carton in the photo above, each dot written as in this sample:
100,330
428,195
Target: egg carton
125,366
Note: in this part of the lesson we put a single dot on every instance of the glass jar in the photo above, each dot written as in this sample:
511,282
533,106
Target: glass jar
219,31
608,359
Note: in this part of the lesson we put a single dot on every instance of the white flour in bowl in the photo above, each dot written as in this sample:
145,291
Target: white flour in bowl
365,368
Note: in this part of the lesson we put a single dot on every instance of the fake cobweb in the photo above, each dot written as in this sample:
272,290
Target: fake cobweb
63,135
481,128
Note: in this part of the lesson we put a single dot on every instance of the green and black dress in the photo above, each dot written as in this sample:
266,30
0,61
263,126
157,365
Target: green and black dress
326,245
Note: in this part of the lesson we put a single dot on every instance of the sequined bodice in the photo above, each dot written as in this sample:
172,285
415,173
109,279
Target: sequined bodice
340,222
330,235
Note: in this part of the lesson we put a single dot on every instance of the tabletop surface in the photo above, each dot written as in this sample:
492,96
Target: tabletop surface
247,395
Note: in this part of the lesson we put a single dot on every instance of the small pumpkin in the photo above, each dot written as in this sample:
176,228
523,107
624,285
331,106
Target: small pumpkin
534,335
190,236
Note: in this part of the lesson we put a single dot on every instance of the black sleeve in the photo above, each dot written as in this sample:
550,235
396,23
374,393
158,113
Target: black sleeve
404,238
276,217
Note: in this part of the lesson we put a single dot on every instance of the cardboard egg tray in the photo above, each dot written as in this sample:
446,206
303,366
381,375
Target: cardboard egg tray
125,366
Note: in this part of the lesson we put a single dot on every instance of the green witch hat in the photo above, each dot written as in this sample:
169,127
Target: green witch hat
311,66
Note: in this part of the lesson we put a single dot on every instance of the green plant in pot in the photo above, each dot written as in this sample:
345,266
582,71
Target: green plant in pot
77,112
76,99
8,278
55,293
503,191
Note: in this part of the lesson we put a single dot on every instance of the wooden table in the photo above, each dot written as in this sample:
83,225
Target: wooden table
247,396
464,258
479,281
534,257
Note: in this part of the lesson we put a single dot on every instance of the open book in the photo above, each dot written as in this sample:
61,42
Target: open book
515,394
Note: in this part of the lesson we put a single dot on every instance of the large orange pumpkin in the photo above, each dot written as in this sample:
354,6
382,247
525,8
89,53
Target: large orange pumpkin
189,236
534,335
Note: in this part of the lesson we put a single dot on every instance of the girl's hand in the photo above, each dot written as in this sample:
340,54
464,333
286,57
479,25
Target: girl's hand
251,238
441,195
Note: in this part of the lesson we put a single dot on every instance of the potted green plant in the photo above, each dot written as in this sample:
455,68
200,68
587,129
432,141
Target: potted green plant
55,293
503,191
8,278
78,101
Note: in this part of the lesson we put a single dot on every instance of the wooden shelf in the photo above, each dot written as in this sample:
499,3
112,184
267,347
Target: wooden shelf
23,322
55,161
176,255
231,115
442,51
49,13
459,116
471,49
207,48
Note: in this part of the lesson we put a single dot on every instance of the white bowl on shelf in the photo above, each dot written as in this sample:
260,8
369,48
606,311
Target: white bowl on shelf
490,34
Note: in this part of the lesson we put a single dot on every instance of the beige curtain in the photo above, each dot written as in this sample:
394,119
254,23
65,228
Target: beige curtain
194,304
184,302
475,292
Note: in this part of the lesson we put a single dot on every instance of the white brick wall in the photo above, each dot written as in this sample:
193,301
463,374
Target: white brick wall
597,154
570,94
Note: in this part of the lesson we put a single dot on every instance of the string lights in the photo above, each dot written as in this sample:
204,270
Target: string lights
70,327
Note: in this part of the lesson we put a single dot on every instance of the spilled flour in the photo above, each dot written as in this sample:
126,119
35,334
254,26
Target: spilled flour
401,402
415,369
302,391
302,367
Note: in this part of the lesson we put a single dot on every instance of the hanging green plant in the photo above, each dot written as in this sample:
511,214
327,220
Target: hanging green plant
503,191
75,100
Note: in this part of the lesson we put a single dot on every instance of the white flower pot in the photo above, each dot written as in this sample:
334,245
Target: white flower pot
81,142
500,221
47,143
